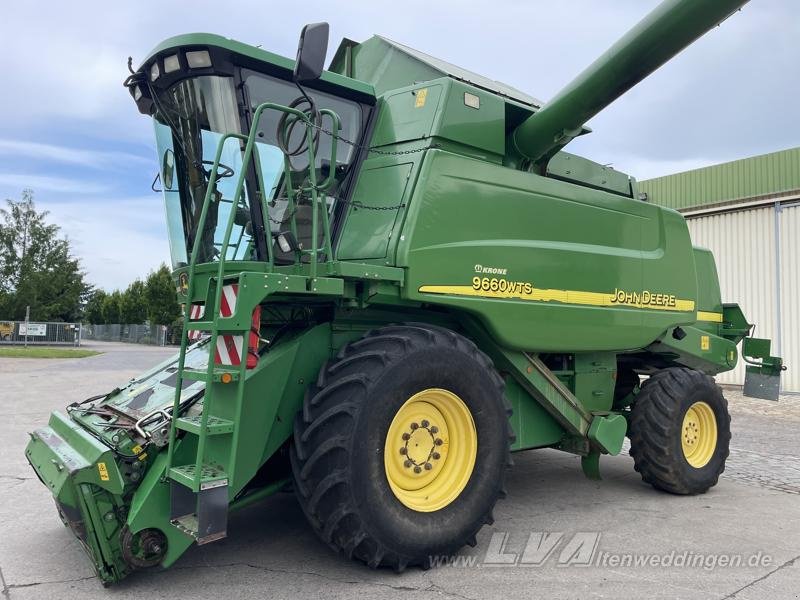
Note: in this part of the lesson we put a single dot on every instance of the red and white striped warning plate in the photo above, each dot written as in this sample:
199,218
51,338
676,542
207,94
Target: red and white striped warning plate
196,312
229,348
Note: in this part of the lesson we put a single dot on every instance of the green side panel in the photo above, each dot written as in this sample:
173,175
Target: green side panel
709,297
595,378
368,229
774,173
448,110
385,66
576,169
407,114
532,424
564,251
472,117
697,349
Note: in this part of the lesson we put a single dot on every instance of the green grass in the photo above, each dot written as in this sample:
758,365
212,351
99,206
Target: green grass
45,353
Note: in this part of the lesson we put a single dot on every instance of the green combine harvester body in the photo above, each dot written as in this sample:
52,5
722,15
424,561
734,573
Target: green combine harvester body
394,212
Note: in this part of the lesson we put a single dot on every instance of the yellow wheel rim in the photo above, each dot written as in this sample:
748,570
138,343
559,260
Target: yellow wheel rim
430,450
699,434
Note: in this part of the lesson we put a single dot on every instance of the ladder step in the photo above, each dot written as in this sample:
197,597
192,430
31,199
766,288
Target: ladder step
200,326
216,375
211,326
201,515
190,524
210,476
214,426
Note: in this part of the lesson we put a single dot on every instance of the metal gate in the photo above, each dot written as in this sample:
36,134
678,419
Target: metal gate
41,334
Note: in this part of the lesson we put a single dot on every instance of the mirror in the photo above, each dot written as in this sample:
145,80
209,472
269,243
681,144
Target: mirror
311,52
168,169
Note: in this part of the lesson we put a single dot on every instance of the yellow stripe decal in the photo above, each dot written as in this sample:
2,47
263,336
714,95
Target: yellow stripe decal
709,316
564,296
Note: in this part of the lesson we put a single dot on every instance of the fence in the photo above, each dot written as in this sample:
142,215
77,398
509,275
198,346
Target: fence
156,335
40,334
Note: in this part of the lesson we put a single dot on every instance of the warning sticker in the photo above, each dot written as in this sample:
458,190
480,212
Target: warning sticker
103,471
422,95
704,342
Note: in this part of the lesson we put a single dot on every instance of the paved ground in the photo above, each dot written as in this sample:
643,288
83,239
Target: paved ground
752,517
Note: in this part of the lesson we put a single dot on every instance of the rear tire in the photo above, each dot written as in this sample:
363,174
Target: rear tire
680,431
342,460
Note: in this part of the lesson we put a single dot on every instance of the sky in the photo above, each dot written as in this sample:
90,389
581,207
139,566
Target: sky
71,132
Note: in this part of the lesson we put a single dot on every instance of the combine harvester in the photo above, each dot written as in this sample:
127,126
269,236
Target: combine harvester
393,278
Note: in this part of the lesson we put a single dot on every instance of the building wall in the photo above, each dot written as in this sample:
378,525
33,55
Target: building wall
757,261
731,209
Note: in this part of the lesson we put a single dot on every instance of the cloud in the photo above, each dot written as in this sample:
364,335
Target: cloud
68,122
117,240
62,185
94,159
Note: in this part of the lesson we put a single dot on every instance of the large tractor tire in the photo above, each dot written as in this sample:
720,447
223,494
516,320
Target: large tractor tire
680,431
401,448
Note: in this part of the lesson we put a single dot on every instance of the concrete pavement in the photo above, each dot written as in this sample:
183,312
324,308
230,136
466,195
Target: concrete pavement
609,539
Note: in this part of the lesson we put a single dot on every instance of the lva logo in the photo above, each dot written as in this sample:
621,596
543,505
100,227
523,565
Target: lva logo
576,550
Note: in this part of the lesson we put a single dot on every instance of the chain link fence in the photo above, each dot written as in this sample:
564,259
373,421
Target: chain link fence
155,335
40,334
14,333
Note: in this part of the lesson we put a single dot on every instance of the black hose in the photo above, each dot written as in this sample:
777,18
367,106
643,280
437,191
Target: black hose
288,122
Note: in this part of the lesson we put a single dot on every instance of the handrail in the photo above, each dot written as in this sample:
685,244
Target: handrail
248,154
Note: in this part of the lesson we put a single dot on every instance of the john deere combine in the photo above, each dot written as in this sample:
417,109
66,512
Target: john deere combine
393,277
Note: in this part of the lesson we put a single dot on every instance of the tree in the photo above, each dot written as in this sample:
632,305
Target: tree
162,305
112,308
37,268
133,306
93,311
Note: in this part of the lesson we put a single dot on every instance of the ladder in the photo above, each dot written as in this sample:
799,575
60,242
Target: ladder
201,468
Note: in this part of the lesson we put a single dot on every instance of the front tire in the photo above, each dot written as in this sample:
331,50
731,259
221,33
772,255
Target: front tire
400,451
680,431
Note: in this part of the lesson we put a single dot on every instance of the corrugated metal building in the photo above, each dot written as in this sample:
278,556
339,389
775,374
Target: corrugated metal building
748,213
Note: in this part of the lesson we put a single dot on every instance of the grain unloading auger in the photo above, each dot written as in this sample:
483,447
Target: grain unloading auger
393,277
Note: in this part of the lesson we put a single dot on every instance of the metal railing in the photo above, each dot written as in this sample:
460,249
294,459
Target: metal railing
40,333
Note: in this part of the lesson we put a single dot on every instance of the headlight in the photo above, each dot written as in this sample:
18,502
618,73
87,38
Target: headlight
137,93
198,59
171,64
154,72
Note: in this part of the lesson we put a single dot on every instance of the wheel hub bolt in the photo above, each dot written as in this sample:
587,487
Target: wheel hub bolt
428,466
406,437
403,450
417,469
425,423
438,441
434,430
407,464
436,456
414,426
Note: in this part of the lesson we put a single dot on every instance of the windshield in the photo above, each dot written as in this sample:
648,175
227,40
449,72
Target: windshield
192,117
